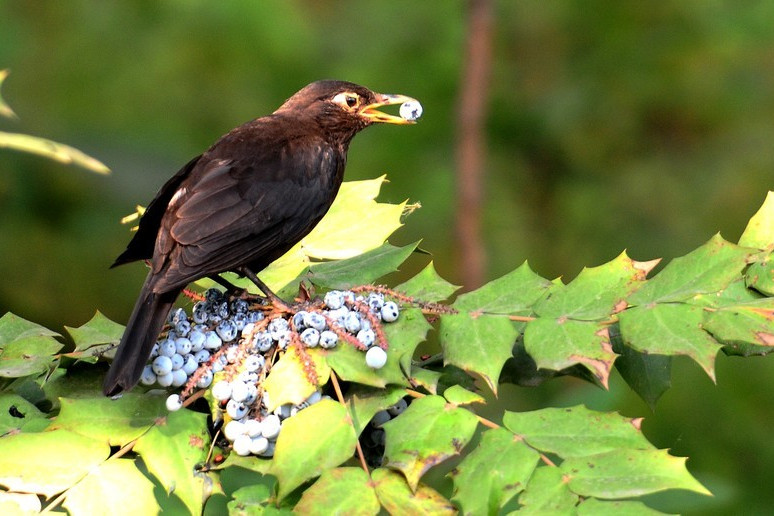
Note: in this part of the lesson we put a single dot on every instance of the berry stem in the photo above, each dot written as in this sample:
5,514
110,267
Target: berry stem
340,396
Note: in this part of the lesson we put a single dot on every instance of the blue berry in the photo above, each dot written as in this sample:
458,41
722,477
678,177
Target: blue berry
366,337
221,390
174,403
328,339
190,365
298,320
164,380
177,315
334,299
200,312
162,365
148,376
236,409
240,320
255,316
375,301
183,346
239,306
315,320
241,445
182,328
213,341
226,330
262,342
179,378
213,295
310,337
254,363
202,356
167,348
205,379
278,327
390,312
197,338
352,322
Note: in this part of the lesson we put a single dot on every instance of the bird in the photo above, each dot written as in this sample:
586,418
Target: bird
244,202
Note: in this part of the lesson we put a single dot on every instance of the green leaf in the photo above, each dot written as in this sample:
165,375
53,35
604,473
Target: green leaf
759,232
397,497
670,329
317,438
171,449
493,473
340,491
426,378
404,335
117,484
626,473
648,375
363,402
16,413
48,463
576,431
746,328
26,348
362,269
561,343
514,293
5,109
427,433
478,344
249,500
458,395
594,507
289,382
355,222
760,276
428,286
51,150
709,268
94,338
547,493
597,292
116,422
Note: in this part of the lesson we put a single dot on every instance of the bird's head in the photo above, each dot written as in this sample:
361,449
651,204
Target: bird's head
343,108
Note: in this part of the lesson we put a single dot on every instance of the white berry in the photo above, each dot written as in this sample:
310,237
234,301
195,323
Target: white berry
411,110
241,445
376,357
174,403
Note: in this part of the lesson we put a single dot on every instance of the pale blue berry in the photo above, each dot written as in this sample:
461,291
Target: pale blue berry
376,357
162,365
390,312
174,403
310,337
328,339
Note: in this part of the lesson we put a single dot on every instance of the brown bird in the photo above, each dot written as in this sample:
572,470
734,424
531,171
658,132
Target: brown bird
242,204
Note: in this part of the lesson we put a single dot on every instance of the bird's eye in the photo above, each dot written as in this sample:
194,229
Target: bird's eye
347,100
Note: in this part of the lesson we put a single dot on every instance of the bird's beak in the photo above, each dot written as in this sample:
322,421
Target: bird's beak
372,114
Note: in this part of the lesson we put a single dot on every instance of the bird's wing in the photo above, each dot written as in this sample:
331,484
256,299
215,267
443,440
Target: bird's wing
235,213
144,240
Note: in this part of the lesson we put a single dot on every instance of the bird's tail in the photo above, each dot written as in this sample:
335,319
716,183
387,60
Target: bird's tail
141,332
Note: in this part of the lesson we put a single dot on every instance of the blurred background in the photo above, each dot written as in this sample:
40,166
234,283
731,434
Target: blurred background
604,126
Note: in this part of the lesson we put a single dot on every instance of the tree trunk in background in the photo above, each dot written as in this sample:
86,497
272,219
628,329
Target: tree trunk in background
471,144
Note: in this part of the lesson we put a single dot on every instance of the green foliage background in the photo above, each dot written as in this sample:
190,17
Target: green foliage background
612,126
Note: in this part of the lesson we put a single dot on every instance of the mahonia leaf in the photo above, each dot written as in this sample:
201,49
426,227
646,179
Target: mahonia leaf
171,450
478,344
48,463
576,431
117,484
396,497
709,268
363,402
16,413
93,338
759,232
19,503
746,328
499,468
426,434
594,507
51,150
670,329
116,422
597,292
26,348
428,285
251,499
760,276
514,293
340,491
362,269
289,381
561,343
458,395
625,473
318,438
547,493
647,374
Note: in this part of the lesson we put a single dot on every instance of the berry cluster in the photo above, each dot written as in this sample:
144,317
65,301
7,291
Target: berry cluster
242,341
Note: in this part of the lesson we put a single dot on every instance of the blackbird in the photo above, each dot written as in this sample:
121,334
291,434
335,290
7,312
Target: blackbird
242,204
